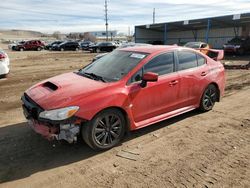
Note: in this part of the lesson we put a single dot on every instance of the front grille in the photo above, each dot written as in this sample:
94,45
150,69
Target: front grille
32,110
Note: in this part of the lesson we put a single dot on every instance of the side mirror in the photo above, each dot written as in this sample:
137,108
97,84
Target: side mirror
148,77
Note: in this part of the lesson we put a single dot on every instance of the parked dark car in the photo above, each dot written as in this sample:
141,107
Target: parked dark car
49,46
85,45
237,45
30,45
66,46
102,47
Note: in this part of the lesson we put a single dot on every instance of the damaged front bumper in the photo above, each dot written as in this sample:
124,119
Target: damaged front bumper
60,130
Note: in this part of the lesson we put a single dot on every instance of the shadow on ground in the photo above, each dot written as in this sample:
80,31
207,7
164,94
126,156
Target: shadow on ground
24,153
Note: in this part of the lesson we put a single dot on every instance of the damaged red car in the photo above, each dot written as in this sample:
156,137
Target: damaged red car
125,90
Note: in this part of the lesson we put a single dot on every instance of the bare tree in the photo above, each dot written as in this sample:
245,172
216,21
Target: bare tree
88,36
57,34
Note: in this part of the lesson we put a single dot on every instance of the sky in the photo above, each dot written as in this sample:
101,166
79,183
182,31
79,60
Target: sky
88,15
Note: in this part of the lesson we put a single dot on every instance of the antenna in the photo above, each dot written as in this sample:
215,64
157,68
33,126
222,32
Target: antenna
106,18
154,16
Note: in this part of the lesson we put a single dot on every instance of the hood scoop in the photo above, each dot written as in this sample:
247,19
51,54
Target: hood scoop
50,86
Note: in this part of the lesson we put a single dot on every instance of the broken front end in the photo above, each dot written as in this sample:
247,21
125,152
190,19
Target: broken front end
59,124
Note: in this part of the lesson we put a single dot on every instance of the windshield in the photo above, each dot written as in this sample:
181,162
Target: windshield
192,45
114,66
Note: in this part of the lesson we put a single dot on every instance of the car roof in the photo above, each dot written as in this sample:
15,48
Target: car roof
150,49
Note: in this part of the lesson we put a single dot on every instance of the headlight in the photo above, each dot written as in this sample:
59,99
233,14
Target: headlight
59,114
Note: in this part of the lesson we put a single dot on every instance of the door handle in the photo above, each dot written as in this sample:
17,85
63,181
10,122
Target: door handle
203,74
174,82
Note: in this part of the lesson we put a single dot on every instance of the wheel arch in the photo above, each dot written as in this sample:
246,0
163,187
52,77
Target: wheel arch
120,109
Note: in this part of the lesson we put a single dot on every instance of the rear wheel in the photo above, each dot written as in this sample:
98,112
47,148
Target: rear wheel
105,130
77,49
39,49
209,98
21,49
62,49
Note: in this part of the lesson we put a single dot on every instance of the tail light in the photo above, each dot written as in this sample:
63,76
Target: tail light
2,56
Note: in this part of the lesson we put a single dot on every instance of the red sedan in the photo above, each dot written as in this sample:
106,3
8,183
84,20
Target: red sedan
125,90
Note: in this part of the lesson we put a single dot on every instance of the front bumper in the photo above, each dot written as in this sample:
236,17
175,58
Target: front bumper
48,132
59,130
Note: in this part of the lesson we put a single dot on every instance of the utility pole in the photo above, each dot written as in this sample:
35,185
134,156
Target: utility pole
154,16
106,18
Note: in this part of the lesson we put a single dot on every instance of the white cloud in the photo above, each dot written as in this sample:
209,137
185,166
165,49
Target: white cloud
86,15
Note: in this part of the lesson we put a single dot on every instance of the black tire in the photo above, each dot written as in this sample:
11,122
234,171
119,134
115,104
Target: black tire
39,49
240,51
208,99
105,130
61,49
3,76
77,49
21,49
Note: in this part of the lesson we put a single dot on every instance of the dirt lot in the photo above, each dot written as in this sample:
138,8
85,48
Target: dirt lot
193,150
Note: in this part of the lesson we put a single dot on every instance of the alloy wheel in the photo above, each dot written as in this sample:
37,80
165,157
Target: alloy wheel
107,129
209,98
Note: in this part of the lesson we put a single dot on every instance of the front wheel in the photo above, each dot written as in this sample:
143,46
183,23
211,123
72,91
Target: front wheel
209,98
105,130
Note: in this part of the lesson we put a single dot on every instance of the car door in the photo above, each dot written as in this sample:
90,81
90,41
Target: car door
157,97
67,46
28,45
193,70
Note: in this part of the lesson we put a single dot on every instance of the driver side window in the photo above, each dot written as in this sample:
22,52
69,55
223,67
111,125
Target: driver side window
161,64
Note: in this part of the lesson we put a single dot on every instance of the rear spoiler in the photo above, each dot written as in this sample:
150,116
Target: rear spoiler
216,55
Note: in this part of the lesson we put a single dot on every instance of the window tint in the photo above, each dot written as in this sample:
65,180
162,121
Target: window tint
201,60
187,60
137,76
161,64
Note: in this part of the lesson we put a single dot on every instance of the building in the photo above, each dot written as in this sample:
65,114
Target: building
215,31
102,34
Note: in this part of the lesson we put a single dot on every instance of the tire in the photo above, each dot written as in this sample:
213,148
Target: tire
98,50
105,130
3,76
77,49
21,49
39,49
208,99
241,51
61,49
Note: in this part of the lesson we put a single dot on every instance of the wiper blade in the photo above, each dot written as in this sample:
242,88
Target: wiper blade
96,77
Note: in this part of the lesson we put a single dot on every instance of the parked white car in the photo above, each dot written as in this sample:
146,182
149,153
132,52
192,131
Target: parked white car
4,64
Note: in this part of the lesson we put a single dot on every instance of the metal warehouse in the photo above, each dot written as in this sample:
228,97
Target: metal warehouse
216,30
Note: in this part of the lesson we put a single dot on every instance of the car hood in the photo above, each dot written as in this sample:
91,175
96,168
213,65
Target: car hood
64,90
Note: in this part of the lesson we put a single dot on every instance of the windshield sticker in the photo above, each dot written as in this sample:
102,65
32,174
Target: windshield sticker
138,56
